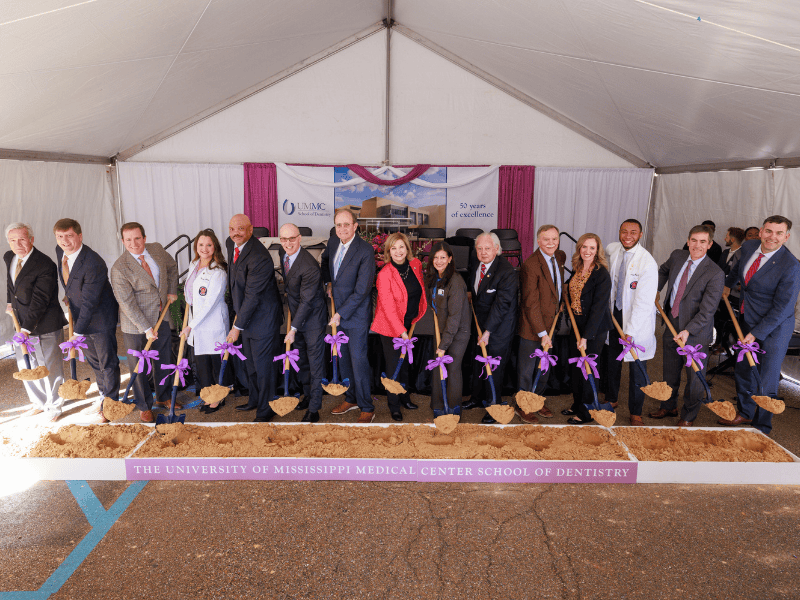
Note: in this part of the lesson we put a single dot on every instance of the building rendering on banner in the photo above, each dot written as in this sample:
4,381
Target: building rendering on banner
394,215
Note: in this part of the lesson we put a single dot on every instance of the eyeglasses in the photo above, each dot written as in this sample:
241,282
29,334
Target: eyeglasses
291,239
345,225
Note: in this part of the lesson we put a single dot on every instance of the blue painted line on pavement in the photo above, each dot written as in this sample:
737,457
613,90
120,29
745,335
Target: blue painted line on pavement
101,521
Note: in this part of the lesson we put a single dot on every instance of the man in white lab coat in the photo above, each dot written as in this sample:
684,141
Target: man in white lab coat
634,285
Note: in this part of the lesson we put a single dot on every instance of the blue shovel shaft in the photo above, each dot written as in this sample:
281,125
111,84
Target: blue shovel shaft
444,396
27,360
644,372
73,368
128,389
222,371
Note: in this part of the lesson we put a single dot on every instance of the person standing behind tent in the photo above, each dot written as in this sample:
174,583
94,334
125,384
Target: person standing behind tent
32,288
204,291
730,256
145,280
348,270
401,303
95,311
770,278
634,276
589,291
446,290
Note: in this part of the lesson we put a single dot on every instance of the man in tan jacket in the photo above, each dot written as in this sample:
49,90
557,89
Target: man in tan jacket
543,290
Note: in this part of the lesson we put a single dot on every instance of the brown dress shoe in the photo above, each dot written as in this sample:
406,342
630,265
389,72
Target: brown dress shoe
366,417
344,407
166,404
636,421
683,423
526,417
739,420
545,412
146,416
614,405
663,412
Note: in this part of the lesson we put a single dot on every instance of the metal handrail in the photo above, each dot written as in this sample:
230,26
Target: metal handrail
187,246
574,241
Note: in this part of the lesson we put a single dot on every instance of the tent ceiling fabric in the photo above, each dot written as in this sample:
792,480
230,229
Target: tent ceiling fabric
96,77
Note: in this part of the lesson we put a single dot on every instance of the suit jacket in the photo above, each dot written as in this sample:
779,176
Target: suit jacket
540,299
352,289
700,298
770,295
91,299
496,301
391,308
34,295
726,266
254,290
452,310
595,317
304,291
140,301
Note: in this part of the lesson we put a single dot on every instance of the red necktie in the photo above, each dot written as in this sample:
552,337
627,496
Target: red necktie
146,267
286,264
753,268
235,254
483,272
676,305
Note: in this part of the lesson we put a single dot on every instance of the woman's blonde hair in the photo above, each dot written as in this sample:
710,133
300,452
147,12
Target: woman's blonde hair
599,258
391,241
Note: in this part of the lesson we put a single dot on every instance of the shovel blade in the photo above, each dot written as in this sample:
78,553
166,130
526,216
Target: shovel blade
162,419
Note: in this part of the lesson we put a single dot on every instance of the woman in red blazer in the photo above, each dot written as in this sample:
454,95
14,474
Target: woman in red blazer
401,303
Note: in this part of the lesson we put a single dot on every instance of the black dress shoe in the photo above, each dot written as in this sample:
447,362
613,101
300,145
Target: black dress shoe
470,404
302,405
407,404
212,409
266,418
568,412
487,419
246,407
310,417
397,416
577,421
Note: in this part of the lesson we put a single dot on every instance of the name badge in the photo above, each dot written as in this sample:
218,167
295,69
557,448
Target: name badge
203,291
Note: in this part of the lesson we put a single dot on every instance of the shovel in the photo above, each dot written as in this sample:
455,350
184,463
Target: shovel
446,419
502,413
602,413
392,385
772,405
181,367
21,339
335,387
723,409
217,392
531,402
72,389
285,404
658,390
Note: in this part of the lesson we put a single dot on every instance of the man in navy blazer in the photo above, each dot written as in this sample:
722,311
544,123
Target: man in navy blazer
348,270
770,278
259,313
95,311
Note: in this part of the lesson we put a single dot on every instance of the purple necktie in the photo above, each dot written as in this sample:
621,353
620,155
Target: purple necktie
676,305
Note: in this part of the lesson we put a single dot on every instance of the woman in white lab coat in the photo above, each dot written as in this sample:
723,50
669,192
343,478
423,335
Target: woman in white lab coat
208,319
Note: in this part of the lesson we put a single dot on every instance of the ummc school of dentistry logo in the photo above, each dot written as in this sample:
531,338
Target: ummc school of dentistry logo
288,207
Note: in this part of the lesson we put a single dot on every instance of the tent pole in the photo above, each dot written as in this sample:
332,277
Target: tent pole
388,23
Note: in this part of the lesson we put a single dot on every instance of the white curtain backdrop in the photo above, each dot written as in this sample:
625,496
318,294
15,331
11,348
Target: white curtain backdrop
172,199
579,201
41,193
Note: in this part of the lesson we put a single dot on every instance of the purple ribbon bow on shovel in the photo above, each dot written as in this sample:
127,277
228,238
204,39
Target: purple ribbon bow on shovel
440,361
22,339
337,341
76,345
545,360
293,356
492,361
144,356
626,347
589,359
222,348
406,346
692,353
181,369
743,349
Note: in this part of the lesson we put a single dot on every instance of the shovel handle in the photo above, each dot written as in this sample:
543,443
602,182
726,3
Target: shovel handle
19,329
624,337
674,333
182,346
438,341
553,326
333,327
738,329
480,334
288,344
155,330
578,338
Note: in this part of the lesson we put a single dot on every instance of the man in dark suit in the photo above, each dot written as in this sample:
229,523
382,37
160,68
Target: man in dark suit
541,297
770,278
306,297
145,280
694,289
32,288
95,311
259,313
348,271
493,284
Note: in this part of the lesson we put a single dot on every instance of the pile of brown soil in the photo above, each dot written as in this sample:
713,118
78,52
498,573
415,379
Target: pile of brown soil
773,405
335,389
74,390
284,405
529,402
700,445
446,423
606,418
114,410
396,441
722,409
214,393
90,441
502,413
658,390
39,372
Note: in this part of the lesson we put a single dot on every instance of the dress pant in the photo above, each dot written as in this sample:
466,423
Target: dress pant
43,393
142,391
101,355
311,344
260,350
581,388
391,357
527,366
674,363
206,369
453,382
635,376
481,390
354,365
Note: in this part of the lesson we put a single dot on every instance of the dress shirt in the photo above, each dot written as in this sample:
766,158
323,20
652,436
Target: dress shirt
623,268
549,258
478,274
240,248
292,258
680,274
152,263
16,260
340,254
71,263
753,258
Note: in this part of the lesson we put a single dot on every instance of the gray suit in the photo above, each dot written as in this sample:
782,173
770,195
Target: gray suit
695,315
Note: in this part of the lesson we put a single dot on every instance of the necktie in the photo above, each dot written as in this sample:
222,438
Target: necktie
676,304
555,276
19,268
339,259
286,264
620,281
65,269
235,254
483,272
146,267
753,268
